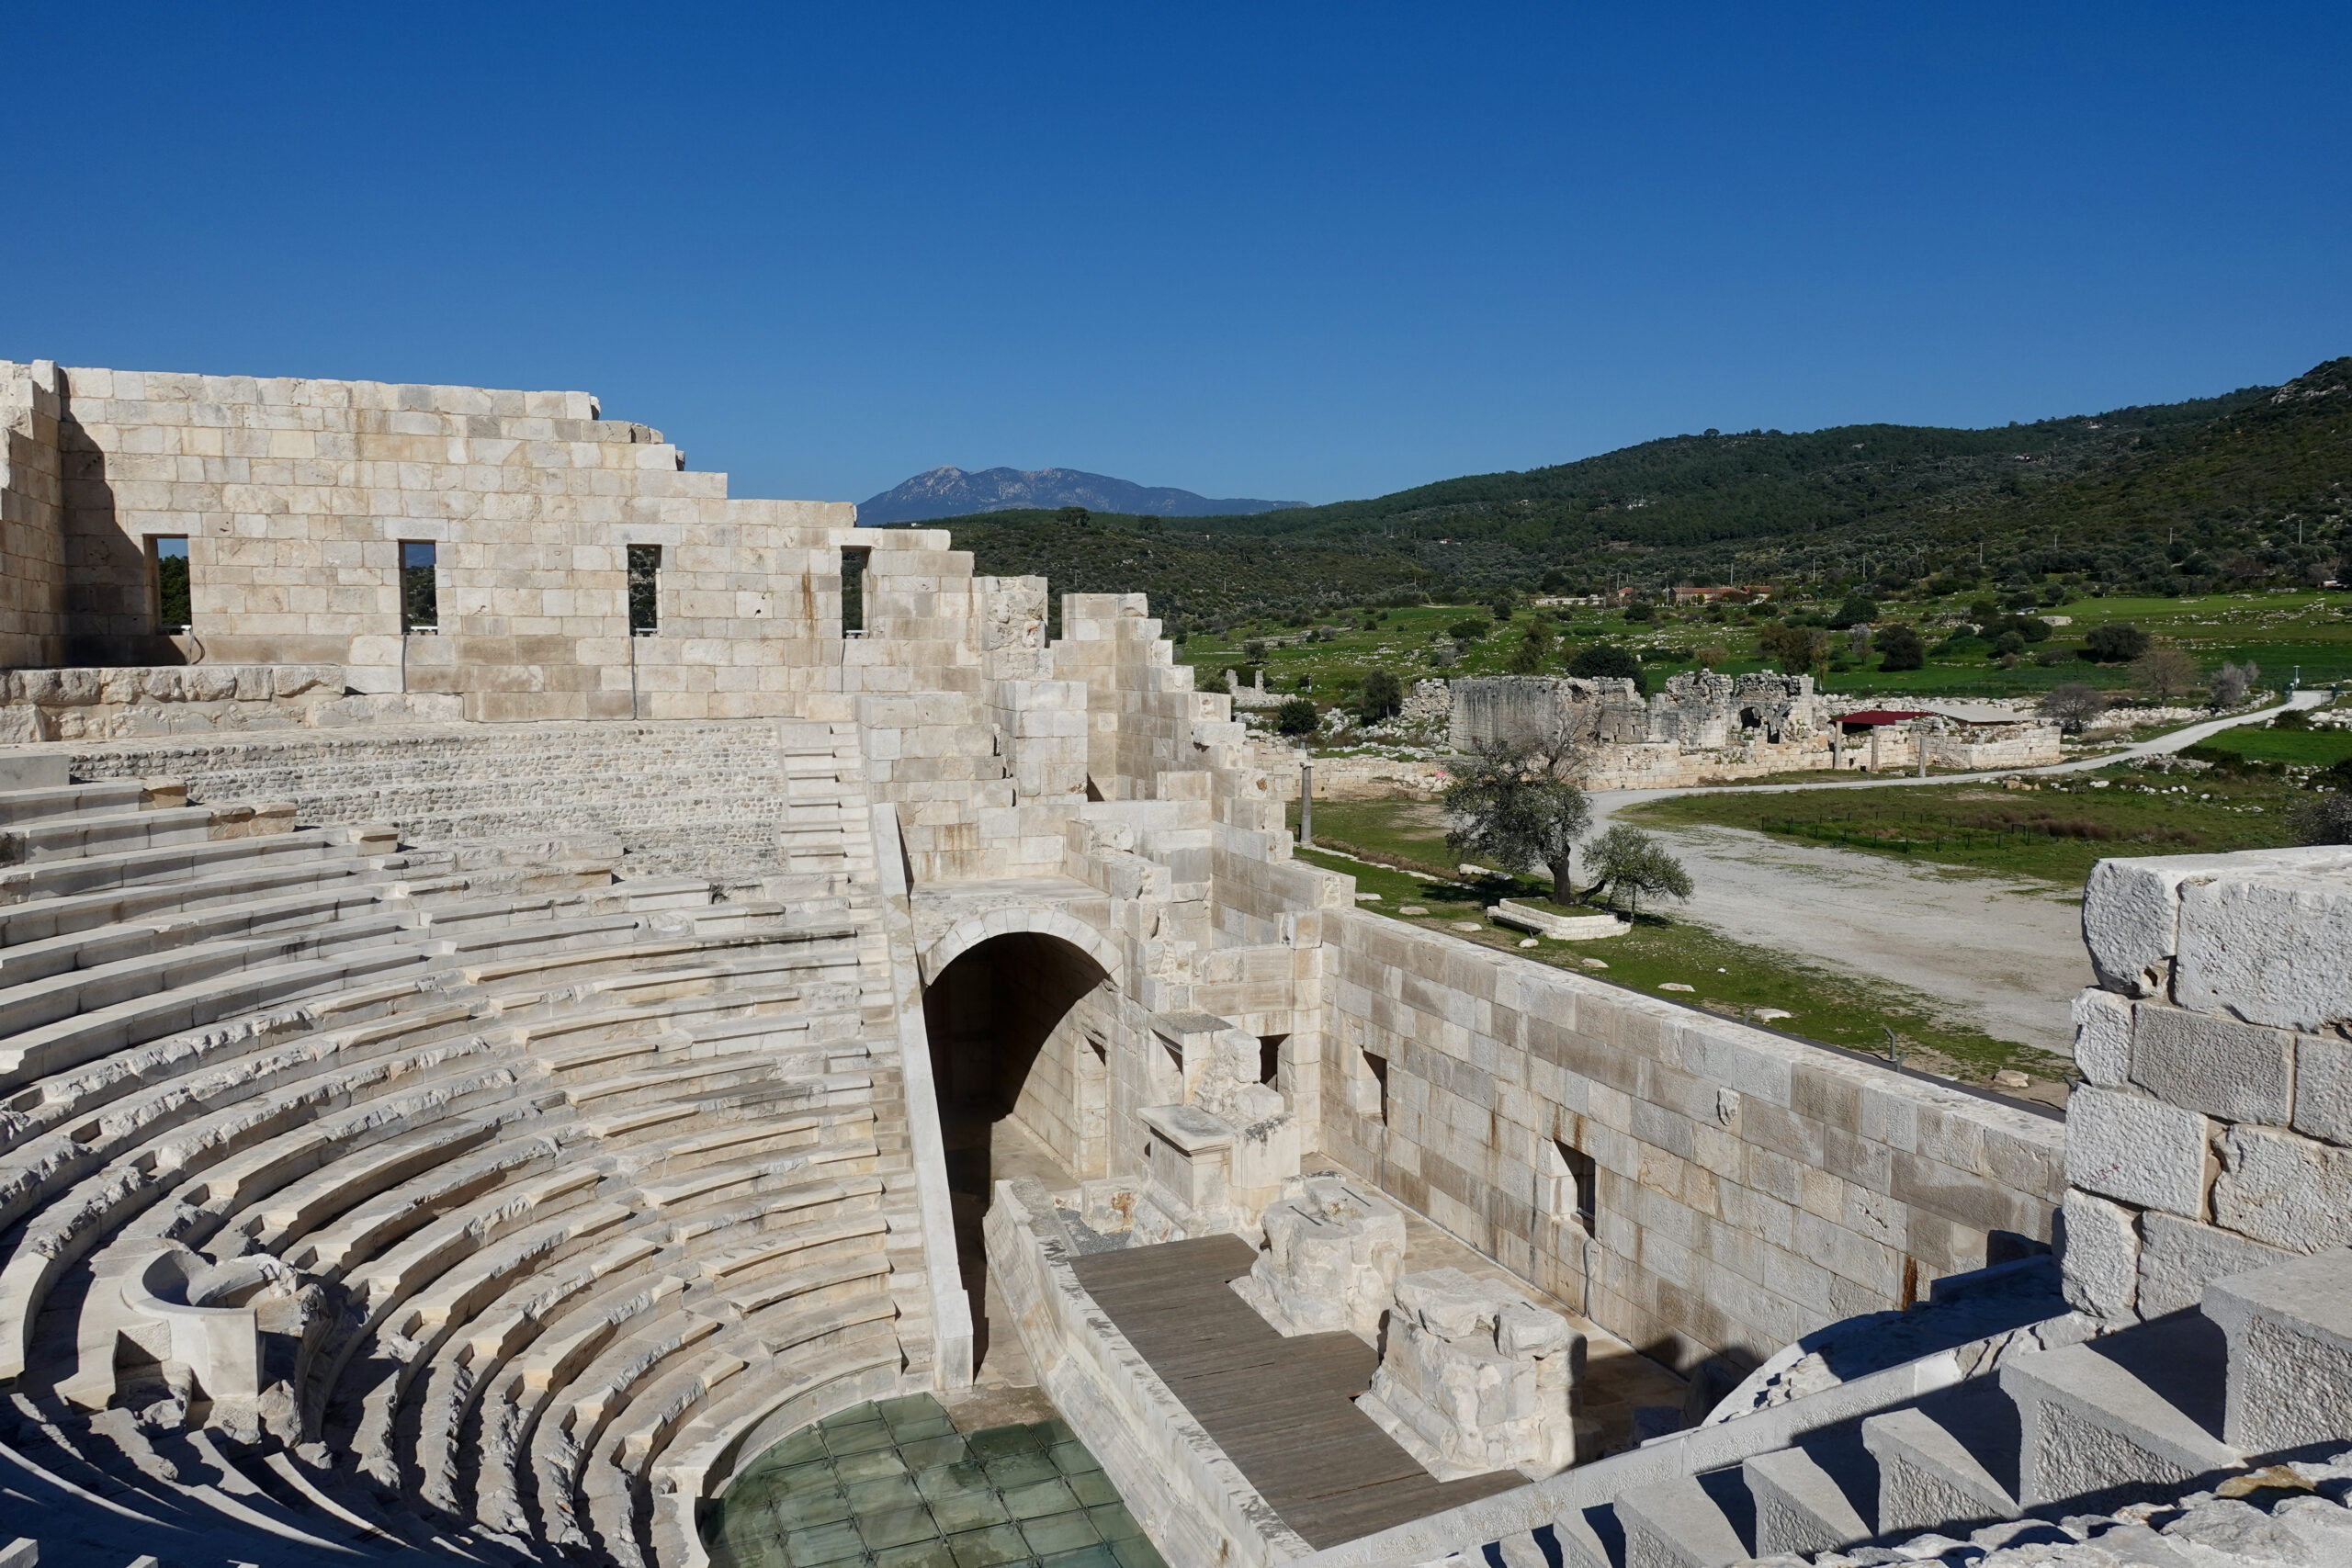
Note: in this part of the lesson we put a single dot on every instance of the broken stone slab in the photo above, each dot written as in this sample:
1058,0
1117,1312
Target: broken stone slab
1475,1377
1330,1260
1564,927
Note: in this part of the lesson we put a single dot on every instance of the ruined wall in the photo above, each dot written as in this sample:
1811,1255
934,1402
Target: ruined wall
1750,1188
32,535
295,497
2212,1134
1698,726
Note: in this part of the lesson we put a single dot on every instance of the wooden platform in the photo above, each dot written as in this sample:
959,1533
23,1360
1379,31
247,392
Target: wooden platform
1282,1409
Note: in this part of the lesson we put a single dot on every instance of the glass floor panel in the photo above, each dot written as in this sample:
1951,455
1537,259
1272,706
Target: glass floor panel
893,1484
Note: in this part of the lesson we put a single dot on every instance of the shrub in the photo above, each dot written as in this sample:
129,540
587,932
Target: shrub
2073,704
1857,611
1533,654
1637,614
2116,644
1504,603
2230,683
1379,697
1254,651
2165,673
1298,716
1899,648
2325,819
1604,660
1466,631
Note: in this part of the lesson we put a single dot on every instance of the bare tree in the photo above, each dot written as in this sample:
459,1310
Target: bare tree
2231,683
2165,673
2074,705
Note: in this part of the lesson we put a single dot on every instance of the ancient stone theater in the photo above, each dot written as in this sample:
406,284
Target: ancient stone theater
548,1014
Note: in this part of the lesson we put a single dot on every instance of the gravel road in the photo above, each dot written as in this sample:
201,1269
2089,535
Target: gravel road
2006,955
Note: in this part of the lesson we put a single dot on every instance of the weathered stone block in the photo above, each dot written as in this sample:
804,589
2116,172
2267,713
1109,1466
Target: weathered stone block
2288,1190
2323,1087
1475,1377
2212,1065
2103,1038
1330,1260
2271,945
2101,1257
2291,1353
2122,1145
2180,1258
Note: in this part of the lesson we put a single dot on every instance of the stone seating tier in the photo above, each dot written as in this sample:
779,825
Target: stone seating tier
482,1188
681,796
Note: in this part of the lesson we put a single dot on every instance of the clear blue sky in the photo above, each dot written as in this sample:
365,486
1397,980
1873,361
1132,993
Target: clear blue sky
1254,250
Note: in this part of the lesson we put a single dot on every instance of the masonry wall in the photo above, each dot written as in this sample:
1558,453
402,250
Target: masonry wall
2214,1131
32,534
295,497
1750,1188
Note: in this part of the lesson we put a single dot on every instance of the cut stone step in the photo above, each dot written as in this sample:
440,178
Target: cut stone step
1936,1460
1704,1521
2290,1331
1812,1499
2122,1417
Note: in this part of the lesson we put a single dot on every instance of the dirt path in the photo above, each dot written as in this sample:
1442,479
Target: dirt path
2004,956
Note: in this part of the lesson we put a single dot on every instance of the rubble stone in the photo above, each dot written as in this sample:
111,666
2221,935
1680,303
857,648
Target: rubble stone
1475,1377
1330,1260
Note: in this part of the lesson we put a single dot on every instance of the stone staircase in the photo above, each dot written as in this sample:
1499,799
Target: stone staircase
357,1200
680,797
2091,1443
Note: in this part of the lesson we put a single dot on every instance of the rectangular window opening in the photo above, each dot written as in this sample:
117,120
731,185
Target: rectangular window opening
1379,1065
644,590
168,570
1269,1056
420,586
854,564
1574,1181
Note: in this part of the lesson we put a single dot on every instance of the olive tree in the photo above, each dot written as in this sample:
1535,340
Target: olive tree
2074,705
1626,860
1514,804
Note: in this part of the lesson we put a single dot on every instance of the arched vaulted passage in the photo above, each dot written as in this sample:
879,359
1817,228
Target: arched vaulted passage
1020,1024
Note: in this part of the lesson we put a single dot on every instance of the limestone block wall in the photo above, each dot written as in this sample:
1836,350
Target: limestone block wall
119,701
1141,708
32,531
295,497
2214,1131
1749,1188
2005,746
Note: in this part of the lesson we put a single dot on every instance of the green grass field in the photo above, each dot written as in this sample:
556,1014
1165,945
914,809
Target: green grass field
2296,747
2282,633
1729,978
2054,832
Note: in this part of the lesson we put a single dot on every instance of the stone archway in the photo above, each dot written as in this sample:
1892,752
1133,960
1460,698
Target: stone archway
1020,1024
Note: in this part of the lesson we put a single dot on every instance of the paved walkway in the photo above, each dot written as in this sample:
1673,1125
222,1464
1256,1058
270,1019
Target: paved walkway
1283,1410
2005,955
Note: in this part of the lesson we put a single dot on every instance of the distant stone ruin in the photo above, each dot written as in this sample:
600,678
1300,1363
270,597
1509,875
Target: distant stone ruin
1702,726
497,1037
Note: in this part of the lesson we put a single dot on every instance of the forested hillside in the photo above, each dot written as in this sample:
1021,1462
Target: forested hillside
2243,489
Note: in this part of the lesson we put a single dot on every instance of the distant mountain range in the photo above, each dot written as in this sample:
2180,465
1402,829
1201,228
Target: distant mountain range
953,493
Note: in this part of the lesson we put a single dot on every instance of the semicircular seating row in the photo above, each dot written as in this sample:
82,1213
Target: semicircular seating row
359,1201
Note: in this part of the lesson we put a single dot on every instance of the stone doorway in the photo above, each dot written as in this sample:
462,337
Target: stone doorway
1020,1034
